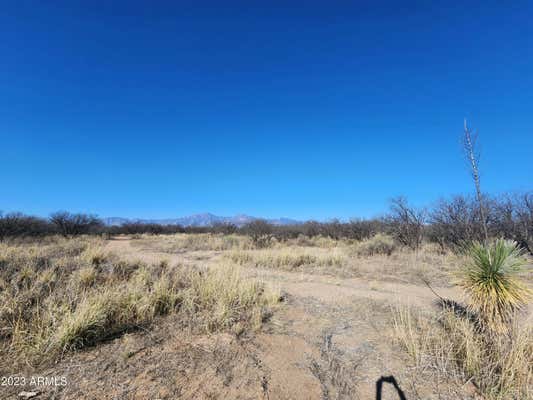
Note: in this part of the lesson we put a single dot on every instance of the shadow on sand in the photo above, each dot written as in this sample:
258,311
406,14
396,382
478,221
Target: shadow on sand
392,381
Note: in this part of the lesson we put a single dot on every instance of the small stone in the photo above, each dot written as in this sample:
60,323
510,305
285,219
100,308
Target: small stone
28,395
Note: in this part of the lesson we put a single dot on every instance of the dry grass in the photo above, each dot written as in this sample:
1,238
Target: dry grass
316,241
407,266
378,244
60,295
290,258
378,257
181,242
346,260
337,376
67,294
449,345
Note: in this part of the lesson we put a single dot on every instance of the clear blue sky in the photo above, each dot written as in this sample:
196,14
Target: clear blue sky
313,110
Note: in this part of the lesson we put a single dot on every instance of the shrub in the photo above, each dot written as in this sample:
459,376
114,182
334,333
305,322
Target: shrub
139,228
379,244
225,228
406,224
455,222
75,224
490,280
20,225
227,299
260,232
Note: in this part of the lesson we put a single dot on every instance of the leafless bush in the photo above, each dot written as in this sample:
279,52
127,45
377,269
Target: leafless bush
454,222
451,223
406,224
136,228
17,225
512,218
75,224
225,228
337,375
356,229
260,232
333,229
311,228
361,229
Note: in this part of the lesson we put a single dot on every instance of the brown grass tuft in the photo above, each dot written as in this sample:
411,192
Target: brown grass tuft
69,294
451,346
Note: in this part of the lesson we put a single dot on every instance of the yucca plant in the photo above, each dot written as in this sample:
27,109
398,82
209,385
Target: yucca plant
490,280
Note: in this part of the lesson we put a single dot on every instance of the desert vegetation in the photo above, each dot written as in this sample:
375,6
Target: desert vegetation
485,339
61,295
290,258
447,344
182,242
480,340
449,223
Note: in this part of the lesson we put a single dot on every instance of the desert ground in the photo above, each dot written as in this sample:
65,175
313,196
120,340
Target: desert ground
340,321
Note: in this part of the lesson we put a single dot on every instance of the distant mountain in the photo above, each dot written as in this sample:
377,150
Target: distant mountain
205,219
115,221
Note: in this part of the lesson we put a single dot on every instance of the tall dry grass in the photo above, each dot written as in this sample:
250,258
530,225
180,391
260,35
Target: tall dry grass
193,242
450,345
482,342
290,258
67,294
233,242
378,244
372,259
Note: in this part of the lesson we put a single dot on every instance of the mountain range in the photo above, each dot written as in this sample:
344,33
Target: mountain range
205,219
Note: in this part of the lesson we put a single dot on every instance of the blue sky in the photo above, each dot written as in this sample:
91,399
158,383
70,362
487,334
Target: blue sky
307,110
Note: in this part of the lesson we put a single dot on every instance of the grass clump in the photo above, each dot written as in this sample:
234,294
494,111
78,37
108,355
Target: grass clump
316,241
288,258
378,244
451,346
85,324
222,298
53,302
194,242
87,276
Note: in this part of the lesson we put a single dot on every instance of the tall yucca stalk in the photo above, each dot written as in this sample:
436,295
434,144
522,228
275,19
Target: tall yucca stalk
490,280
469,143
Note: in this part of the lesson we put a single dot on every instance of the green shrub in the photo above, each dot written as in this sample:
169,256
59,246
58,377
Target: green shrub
490,279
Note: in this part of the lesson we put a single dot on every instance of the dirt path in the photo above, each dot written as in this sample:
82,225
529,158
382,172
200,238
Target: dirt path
331,339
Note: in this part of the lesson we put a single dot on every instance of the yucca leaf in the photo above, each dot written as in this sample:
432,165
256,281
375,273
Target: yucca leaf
492,282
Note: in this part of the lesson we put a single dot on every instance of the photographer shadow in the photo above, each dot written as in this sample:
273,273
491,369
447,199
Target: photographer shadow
392,381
